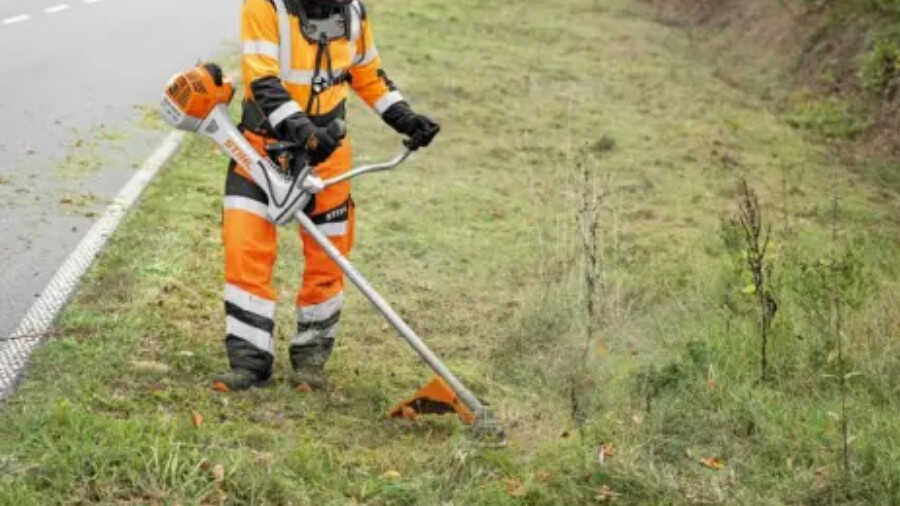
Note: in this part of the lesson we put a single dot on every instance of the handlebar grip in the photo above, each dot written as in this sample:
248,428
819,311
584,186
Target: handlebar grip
276,148
337,129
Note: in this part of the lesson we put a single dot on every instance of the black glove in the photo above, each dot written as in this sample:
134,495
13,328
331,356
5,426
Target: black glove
322,141
315,143
420,128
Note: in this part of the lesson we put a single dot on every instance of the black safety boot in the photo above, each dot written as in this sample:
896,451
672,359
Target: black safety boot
308,362
237,380
250,367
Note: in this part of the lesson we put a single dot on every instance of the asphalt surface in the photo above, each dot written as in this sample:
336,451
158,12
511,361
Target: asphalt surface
78,75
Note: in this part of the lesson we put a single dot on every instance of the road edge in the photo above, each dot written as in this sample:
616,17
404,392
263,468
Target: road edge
32,330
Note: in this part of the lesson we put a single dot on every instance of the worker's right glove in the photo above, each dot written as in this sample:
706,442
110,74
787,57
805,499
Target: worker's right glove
322,141
316,143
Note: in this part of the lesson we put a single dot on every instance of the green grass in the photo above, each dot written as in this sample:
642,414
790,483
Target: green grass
475,242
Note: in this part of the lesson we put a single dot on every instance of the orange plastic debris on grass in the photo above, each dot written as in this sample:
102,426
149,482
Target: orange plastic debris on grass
434,398
712,463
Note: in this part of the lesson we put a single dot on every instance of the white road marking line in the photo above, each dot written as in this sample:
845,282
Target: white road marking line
15,351
56,8
16,19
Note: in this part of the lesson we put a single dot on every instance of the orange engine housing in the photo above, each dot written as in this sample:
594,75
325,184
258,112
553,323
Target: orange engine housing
196,93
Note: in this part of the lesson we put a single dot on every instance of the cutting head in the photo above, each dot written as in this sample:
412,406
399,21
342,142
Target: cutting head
191,96
436,397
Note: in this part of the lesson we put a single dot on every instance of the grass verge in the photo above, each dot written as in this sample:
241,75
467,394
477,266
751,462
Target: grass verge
477,243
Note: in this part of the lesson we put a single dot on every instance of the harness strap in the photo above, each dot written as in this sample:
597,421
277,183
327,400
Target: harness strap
319,83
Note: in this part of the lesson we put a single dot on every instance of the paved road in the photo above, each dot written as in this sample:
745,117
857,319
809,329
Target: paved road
74,73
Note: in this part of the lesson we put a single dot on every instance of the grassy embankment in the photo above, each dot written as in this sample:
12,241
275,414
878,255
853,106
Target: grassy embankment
477,242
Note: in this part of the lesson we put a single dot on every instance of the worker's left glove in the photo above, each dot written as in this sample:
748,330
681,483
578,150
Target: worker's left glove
420,128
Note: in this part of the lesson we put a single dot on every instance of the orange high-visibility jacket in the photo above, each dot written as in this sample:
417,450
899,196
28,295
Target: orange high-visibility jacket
286,74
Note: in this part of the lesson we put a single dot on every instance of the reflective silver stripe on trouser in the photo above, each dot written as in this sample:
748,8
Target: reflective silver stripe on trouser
284,35
333,229
247,315
246,204
318,322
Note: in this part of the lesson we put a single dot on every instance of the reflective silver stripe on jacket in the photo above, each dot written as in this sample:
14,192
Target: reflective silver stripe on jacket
355,21
283,112
284,37
261,47
385,102
367,58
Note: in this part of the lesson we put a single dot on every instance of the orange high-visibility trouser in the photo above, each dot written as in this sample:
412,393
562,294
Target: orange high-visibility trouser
251,248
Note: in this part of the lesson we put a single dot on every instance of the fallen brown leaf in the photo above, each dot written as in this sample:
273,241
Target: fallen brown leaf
218,473
543,476
710,385
263,457
303,388
391,475
605,452
218,386
515,488
821,478
605,493
150,366
712,463
197,419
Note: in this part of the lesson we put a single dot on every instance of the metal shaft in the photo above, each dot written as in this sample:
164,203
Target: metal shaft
385,309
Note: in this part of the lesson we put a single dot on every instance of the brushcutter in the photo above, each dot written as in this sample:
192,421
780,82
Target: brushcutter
197,102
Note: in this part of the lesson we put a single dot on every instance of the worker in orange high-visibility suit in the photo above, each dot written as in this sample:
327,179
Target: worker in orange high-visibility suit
300,58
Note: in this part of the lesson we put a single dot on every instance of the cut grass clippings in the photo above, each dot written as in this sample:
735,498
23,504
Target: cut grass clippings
475,242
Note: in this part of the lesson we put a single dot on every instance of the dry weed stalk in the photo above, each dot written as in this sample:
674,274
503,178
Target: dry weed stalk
593,194
836,298
757,239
